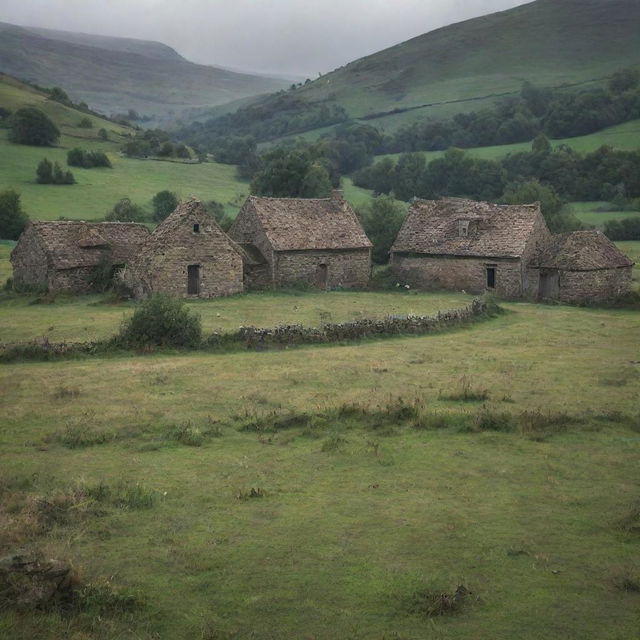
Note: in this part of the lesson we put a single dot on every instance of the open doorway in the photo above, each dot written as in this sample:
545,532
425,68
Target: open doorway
549,284
322,275
193,279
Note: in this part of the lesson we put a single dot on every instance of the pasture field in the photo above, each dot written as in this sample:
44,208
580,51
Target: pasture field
588,214
353,519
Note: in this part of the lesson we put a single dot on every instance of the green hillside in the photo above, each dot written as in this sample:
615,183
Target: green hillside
113,76
97,190
466,66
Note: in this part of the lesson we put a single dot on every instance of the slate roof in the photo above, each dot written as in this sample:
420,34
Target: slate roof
73,244
295,224
581,251
496,231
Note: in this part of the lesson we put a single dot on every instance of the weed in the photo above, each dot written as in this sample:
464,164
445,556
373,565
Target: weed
273,421
103,599
439,603
436,420
66,393
332,444
80,433
185,433
630,522
626,580
248,494
489,420
538,425
465,392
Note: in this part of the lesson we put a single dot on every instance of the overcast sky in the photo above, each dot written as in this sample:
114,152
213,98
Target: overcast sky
301,37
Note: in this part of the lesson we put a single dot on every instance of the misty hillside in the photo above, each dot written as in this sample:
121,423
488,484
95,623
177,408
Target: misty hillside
465,66
114,75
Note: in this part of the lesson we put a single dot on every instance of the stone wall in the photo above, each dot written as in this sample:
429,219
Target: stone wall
163,264
585,287
71,280
537,240
457,274
29,261
349,269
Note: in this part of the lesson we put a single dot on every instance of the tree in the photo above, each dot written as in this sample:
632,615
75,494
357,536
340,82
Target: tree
381,219
85,123
164,202
316,183
126,211
103,134
541,145
32,126
12,218
44,172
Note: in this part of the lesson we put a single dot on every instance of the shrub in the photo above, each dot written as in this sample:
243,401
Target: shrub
85,123
438,603
126,211
103,134
29,125
161,321
13,219
185,433
47,173
87,159
164,203
465,392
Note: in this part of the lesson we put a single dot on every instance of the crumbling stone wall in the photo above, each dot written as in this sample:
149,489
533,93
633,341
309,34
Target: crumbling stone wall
345,268
603,285
72,280
29,261
247,229
537,240
457,273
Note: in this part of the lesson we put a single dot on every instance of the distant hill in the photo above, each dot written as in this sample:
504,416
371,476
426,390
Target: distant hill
466,66
114,75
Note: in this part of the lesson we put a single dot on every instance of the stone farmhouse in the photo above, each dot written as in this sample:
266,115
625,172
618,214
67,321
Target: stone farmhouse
187,255
583,266
460,244
64,256
316,241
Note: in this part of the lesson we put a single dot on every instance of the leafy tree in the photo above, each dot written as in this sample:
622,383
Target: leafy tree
165,150
181,151
316,182
126,211
62,177
86,123
103,134
164,203
12,218
624,80
59,95
87,159
44,172
541,145
381,219
407,175
625,229
32,126
216,209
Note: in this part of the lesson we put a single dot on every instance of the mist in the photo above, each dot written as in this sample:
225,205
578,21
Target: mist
289,37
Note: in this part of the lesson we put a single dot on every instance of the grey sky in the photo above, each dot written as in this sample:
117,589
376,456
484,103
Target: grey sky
286,36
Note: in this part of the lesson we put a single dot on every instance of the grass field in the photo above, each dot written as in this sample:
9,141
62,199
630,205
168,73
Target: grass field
355,520
588,213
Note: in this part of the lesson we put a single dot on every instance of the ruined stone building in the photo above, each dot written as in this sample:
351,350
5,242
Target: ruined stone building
64,256
472,246
313,241
460,244
579,267
187,255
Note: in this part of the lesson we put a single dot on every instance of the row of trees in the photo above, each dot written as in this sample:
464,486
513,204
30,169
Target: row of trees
87,159
155,143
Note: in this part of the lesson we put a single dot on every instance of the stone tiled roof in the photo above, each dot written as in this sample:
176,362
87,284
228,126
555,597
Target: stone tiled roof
581,251
294,224
73,244
164,233
432,227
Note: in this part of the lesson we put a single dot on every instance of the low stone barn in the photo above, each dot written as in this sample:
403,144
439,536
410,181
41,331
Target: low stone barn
64,256
472,246
581,267
187,255
318,242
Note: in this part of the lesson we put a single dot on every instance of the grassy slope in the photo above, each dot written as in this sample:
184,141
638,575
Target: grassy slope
342,539
587,213
113,77
546,42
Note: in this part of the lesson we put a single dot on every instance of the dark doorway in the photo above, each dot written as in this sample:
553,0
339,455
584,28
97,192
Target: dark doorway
193,279
491,277
322,273
549,284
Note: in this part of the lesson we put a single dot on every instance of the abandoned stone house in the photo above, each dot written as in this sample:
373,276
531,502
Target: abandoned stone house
579,267
314,241
187,255
64,256
460,244
472,246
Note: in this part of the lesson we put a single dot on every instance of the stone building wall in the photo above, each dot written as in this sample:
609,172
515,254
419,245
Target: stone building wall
71,280
537,240
348,268
580,287
29,261
457,273
247,229
163,264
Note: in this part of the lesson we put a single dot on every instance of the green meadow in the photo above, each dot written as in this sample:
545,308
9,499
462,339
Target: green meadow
333,492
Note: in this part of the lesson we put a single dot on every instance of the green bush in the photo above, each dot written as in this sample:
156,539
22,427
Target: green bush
12,218
164,203
85,123
32,126
161,321
126,211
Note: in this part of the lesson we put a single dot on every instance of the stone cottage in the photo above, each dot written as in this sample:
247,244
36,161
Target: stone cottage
64,256
581,267
187,255
313,241
472,246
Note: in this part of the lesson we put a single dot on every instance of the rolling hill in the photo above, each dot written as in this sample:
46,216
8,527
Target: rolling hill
466,66
113,75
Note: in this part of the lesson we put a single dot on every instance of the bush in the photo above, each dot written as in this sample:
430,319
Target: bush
31,126
103,134
625,229
87,159
47,173
164,203
161,321
85,123
12,218
126,211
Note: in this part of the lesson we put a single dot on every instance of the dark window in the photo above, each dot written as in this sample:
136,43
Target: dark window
491,277
193,279
196,228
